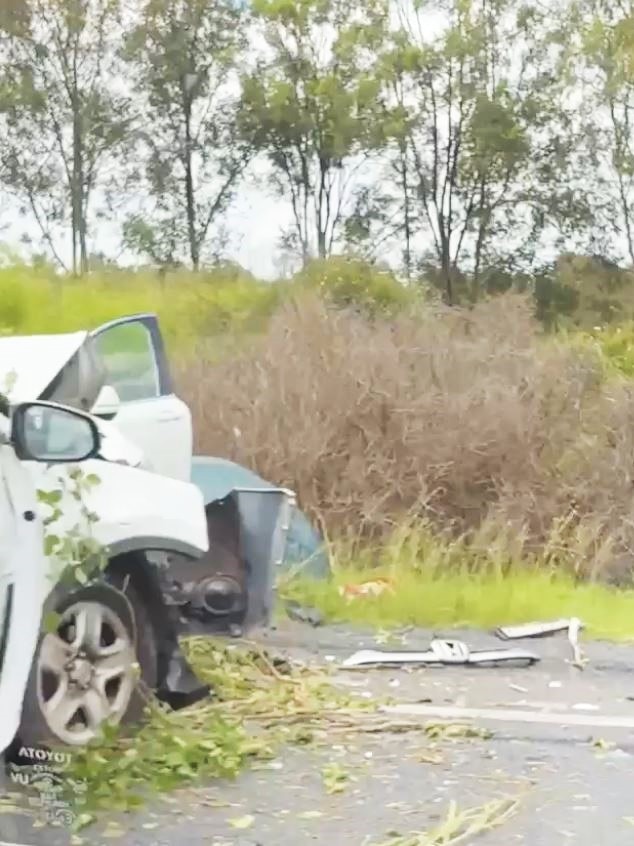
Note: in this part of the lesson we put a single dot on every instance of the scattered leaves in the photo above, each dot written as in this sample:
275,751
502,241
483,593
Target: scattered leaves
242,822
335,778
456,731
259,702
430,757
603,745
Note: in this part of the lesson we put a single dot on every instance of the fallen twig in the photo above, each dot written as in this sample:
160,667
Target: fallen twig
460,826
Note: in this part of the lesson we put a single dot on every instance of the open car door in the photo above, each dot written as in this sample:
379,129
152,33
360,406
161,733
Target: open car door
150,414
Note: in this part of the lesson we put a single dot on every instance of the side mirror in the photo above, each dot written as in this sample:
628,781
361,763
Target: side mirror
42,431
107,404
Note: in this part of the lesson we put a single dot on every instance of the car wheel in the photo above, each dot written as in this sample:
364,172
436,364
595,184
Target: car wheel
94,668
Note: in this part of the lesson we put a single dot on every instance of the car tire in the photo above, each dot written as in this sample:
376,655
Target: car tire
126,616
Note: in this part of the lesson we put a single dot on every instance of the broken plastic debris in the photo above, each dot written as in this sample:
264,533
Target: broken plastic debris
578,658
539,629
302,614
452,652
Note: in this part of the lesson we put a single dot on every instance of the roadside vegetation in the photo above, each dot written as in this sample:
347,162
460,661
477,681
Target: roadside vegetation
452,403
475,424
449,441
476,459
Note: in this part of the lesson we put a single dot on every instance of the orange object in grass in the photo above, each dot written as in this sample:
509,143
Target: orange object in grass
373,587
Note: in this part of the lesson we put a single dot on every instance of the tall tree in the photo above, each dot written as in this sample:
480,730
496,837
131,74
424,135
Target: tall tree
311,103
182,55
64,115
476,131
599,37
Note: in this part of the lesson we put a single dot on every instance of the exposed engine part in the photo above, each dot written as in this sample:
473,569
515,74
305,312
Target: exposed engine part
213,597
211,589
219,595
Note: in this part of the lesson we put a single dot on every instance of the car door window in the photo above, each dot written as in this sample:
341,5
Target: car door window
127,351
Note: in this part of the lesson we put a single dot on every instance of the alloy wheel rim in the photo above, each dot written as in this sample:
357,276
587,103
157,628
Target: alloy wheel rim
87,672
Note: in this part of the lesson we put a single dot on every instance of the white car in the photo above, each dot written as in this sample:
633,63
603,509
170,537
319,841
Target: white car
58,686
177,562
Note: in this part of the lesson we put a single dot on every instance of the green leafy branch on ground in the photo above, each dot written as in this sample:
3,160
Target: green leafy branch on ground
259,703
459,828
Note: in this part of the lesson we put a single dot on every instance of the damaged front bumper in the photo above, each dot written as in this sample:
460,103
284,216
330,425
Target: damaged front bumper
231,588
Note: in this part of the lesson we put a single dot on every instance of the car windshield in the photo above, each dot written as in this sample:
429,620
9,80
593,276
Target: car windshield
78,383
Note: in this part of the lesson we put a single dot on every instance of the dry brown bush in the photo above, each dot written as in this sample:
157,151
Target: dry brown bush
465,417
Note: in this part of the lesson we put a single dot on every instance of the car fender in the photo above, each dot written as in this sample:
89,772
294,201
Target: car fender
133,510
305,551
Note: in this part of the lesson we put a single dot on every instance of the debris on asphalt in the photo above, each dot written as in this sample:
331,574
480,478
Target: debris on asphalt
335,778
603,745
579,660
572,626
386,637
430,757
458,827
302,614
242,822
456,731
443,652
538,629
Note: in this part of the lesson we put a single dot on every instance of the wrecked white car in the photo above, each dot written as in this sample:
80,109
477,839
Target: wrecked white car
58,685
176,562
119,372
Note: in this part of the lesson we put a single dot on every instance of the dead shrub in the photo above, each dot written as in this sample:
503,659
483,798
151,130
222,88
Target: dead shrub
463,417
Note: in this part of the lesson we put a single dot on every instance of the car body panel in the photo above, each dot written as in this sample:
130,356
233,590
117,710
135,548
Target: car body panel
23,585
29,363
151,416
304,550
136,510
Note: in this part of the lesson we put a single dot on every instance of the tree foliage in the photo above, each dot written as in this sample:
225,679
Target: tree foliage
310,104
183,55
464,143
63,119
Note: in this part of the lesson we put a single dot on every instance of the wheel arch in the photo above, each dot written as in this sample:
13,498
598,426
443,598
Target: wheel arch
128,564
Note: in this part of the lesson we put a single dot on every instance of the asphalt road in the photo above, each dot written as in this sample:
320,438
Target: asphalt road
570,791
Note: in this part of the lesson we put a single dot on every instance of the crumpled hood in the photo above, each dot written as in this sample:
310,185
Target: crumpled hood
29,363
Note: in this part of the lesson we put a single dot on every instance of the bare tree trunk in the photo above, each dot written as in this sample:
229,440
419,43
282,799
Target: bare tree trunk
446,266
190,191
625,206
75,188
407,223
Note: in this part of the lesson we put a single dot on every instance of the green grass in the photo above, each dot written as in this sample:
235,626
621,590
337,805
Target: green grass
447,583
217,303
189,307
473,600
